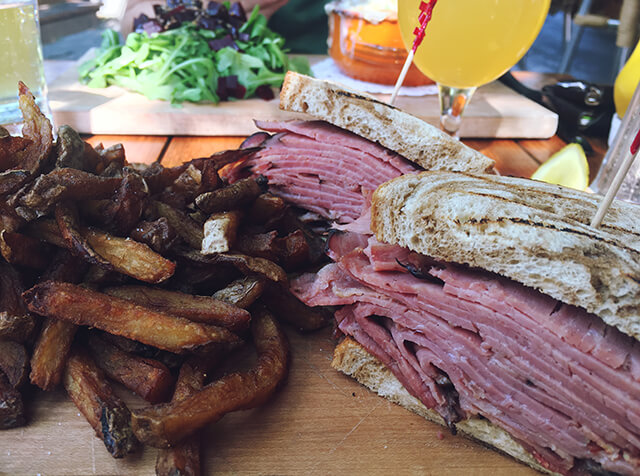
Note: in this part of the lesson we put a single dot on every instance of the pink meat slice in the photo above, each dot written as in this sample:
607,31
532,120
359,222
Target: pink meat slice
321,168
557,378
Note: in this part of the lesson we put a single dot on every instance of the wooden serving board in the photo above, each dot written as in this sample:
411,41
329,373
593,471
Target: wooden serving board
495,111
321,422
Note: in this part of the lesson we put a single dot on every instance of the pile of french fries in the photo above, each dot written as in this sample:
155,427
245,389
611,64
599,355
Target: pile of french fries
142,275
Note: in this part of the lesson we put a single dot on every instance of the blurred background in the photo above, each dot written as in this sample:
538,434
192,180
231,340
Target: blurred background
578,37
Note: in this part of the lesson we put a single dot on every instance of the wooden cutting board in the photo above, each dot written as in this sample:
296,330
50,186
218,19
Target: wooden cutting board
321,422
494,111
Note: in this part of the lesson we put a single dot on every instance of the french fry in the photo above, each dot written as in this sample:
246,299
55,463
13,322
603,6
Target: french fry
263,245
67,220
248,265
181,223
266,208
291,310
12,180
54,341
242,292
23,250
203,309
46,230
11,406
73,152
130,257
239,194
184,457
60,185
125,209
16,327
10,150
166,424
104,410
90,308
159,235
15,321
171,360
147,378
50,353
14,362
37,128
220,232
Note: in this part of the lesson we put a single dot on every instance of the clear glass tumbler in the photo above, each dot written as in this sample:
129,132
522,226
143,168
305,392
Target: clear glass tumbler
630,188
20,58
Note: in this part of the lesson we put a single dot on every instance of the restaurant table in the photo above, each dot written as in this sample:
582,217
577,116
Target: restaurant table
320,422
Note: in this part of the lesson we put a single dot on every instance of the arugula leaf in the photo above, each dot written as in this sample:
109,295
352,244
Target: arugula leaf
179,65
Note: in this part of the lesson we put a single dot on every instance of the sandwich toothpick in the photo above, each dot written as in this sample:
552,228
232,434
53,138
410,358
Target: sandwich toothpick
617,182
426,10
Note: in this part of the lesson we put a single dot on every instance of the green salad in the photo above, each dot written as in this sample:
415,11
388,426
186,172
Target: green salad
191,53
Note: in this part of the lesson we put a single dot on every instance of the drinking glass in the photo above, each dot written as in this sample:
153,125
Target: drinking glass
469,43
20,58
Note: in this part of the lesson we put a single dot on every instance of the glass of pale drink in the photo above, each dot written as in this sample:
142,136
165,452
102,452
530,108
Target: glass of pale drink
20,58
469,43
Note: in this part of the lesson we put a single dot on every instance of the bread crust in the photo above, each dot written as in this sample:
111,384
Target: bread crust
379,122
350,358
532,232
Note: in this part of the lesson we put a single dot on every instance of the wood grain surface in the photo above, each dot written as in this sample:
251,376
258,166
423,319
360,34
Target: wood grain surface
494,111
321,422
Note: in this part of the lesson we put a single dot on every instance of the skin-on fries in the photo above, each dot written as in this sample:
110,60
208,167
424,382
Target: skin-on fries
11,407
23,250
241,193
67,220
145,377
130,257
290,309
50,353
104,410
14,362
164,425
190,231
184,457
242,292
90,308
203,309
15,322
115,226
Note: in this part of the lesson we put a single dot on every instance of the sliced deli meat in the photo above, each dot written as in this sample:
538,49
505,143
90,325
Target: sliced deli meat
320,167
470,343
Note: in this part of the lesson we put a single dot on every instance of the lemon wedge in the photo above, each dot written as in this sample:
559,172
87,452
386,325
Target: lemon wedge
568,167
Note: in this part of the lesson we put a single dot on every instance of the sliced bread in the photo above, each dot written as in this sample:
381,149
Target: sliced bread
379,122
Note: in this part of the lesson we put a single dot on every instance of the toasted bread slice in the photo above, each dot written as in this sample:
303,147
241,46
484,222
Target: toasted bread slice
352,359
532,232
379,122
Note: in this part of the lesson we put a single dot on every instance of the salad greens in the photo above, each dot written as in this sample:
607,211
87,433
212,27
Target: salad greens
192,54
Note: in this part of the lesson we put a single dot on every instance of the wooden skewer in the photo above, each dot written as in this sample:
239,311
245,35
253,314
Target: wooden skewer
617,182
400,80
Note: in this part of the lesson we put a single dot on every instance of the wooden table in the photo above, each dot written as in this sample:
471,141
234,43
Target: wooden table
321,422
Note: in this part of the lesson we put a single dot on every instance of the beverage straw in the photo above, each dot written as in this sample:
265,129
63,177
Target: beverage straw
426,9
617,181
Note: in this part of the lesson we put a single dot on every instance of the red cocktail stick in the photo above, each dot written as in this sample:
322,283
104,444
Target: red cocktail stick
426,10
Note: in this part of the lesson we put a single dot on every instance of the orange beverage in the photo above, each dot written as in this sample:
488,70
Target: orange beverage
472,42
365,42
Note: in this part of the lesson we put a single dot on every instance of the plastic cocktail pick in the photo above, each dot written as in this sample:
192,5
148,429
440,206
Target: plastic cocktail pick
426,10
617,182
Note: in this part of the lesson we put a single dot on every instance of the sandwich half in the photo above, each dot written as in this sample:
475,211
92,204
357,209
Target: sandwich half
490,305
330,165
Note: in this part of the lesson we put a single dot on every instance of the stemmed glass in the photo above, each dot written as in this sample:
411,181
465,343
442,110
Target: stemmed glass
469,43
